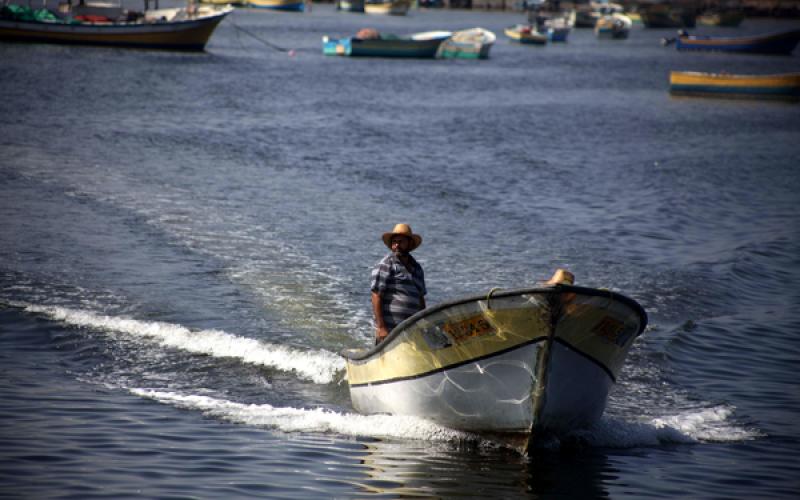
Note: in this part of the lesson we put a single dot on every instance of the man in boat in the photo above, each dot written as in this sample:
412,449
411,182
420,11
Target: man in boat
398,282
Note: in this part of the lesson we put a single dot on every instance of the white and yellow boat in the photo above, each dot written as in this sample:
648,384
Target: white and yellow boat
513,362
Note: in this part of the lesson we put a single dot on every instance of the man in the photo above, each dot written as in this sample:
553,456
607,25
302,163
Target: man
398,282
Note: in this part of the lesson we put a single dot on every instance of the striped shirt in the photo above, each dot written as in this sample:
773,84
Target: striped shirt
401,290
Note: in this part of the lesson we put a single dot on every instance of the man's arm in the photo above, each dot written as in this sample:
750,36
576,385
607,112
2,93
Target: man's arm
380,327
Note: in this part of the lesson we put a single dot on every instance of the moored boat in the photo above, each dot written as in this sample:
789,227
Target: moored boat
285,5
526,33
587,13
775,43
516,362
779,86
559,26
474,43
350,5
724,18
616,26
101,24
370,43
387,7
664,15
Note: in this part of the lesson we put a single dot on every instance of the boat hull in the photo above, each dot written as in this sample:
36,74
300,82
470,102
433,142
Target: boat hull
399,47
784,86
729,19
350,5
528,37
468,44
775,44
664,16
191,34
558,34
393,8
284,5
615,27
517,362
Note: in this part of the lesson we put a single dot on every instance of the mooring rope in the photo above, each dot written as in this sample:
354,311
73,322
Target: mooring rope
265,42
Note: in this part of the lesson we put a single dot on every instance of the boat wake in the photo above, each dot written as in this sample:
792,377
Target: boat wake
709,425
697,425
318,366
319,420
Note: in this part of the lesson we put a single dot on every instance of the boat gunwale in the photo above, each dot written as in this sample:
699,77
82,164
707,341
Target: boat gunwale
60,27
357,355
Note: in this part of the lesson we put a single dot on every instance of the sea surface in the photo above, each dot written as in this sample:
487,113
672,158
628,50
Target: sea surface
186,242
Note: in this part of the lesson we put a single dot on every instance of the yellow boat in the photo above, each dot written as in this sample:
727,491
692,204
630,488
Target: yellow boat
511,363
101,24
779,86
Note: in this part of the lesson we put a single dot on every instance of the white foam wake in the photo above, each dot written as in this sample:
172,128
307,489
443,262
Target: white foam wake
693,426
310,420
319,366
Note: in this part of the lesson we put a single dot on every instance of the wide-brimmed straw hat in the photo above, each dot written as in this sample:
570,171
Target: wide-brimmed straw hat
402,230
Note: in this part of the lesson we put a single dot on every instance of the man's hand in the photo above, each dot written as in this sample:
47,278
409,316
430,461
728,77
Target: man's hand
381,333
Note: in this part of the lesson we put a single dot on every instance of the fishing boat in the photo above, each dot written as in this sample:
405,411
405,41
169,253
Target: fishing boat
284,5
527,34
387,7
775,43
615,26
587,13
350,5
186,28
664,15
474,43
370,43
724,18
559,26
780,86
514,362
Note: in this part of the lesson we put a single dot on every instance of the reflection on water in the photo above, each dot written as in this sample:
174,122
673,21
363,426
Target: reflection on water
449,471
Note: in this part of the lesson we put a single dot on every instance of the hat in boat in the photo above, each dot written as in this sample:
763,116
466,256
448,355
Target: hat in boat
402,230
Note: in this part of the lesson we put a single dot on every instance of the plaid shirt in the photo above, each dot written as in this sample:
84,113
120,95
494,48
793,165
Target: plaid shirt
401,291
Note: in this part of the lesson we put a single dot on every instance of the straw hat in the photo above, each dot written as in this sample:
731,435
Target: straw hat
402,230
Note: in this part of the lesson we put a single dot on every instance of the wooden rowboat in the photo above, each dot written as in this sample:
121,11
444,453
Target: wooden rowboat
527,34
419,45
781,86
513,362
176,28
474,43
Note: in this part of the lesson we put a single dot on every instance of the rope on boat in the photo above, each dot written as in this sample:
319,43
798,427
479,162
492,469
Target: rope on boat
265,42
489,298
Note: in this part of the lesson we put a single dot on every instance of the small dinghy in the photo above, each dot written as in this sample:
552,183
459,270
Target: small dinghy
526,33
474,43
513,363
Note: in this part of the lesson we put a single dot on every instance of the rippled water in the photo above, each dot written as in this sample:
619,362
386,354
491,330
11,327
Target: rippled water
186,243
